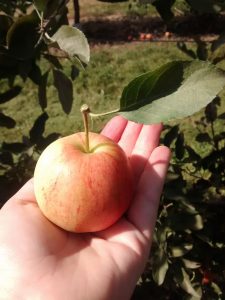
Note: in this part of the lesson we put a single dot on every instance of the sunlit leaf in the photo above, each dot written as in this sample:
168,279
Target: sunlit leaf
160,266
188,287
177,251
190,264
73,42
173,91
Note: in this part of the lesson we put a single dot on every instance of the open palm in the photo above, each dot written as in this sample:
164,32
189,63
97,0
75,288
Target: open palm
38,260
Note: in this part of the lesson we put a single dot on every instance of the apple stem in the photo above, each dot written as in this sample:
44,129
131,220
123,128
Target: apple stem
104,114
85,110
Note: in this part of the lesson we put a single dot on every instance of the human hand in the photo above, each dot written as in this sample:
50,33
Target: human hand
38,260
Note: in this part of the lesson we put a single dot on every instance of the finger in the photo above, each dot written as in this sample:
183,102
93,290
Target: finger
129,137
26,193
114,128
147,141
143,211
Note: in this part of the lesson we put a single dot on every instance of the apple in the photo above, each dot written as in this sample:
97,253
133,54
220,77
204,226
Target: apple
83,189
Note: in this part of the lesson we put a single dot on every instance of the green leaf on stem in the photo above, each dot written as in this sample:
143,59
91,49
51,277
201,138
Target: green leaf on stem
73,42
173,91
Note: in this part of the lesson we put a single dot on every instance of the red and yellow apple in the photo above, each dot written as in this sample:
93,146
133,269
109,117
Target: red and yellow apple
80,190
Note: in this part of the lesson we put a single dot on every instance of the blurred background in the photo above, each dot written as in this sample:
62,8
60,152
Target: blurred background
42,91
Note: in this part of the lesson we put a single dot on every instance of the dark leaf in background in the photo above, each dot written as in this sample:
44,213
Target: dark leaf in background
44,142
42,90
10,94
206,6
51,138
170,136
211,112
41,4
53,7
164,8
184,221
221,116
23,36
202,51
179,146
74,72
35,74
5,23
218,42
6,158
38,128
14,147
183,47
64,87
6,121
54,61
24,68
192,154
210,161
203,137
112,1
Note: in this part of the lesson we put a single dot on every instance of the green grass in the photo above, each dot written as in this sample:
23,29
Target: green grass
111,68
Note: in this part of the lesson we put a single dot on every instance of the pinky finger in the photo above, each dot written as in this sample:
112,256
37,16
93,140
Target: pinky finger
143,212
